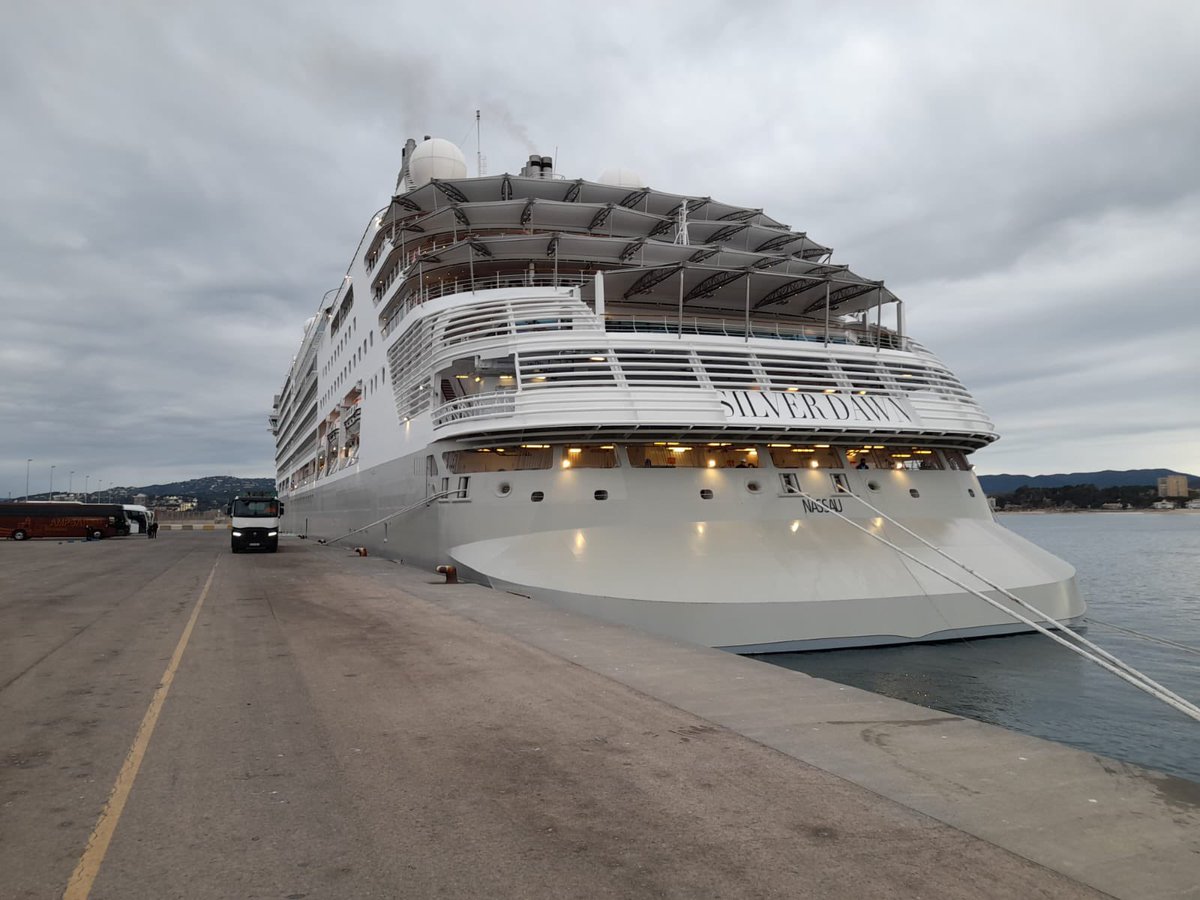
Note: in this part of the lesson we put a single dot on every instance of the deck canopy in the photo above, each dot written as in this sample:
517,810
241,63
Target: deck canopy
649,273
441,192
601,219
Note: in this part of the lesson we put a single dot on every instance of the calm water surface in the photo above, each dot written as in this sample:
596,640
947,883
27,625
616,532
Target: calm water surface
1136,570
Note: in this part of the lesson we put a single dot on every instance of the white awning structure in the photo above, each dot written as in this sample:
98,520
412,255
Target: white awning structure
657,250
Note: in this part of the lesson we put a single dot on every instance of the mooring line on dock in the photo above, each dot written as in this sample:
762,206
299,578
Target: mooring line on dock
79,886
1100,657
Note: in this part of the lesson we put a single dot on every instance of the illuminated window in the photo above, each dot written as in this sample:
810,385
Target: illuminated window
802,456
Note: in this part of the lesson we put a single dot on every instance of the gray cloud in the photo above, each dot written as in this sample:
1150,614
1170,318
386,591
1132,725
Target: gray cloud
183,184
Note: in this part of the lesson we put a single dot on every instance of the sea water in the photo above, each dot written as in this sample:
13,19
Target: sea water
1140,571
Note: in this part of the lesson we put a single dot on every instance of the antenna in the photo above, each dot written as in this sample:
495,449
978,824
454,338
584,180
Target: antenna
681,225
478,147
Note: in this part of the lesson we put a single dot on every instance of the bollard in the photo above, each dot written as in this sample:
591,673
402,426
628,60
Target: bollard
450,572
361,551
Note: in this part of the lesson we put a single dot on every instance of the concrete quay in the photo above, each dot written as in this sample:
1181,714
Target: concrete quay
177,721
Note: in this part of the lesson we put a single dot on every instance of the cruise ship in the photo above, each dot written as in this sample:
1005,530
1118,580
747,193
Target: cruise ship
662,410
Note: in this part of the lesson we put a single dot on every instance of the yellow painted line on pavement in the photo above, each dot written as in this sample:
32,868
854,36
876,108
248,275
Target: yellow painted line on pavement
84,876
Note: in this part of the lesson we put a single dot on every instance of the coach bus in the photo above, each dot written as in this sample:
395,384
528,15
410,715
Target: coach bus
23,521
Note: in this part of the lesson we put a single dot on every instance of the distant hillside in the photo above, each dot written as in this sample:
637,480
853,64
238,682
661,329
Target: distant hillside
996,485
212,492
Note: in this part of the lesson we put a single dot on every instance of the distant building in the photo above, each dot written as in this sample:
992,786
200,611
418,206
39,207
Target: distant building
1173,486
1193,504
1113,506
1163,504
140,500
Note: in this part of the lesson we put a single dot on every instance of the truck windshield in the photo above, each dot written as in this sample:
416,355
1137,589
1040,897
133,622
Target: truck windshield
256,509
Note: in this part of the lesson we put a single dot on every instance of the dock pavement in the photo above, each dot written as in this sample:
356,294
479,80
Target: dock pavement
178,721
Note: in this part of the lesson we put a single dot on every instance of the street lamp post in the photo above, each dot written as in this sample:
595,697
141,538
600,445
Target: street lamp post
27,462
52,482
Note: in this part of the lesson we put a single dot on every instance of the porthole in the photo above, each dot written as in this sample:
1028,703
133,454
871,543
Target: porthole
971,491
914,493
503,489
537,496
753,487
873,485
706,494
601,495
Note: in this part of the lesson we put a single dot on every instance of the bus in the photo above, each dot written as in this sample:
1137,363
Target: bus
254,521
140,518
24,521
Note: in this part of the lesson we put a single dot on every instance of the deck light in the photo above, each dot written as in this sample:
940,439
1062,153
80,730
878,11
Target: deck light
814,465
793,389
566,464
462,376
539,377
821,446
598,359
779,445
712,463
804,450
607,447
795,526
879,446
829,391
860,393
574,450
680,449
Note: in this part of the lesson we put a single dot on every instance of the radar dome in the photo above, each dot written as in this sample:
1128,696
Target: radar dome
621,178
435,158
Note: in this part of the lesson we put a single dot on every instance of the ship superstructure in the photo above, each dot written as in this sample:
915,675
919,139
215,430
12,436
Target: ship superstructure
654,408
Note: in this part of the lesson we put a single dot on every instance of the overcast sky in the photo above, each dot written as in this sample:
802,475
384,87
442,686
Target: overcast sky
182,183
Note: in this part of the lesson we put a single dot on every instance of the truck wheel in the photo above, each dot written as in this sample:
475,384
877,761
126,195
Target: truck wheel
97,535
20,535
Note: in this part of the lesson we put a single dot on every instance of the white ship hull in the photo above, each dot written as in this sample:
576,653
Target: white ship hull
749,572
651,408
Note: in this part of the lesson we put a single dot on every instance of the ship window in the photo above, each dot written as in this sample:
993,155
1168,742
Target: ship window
657,366
678,455
727,370
601,495
956,461
498,459
589,456
537,496
804,456
798,374
870,456
706,494
567,367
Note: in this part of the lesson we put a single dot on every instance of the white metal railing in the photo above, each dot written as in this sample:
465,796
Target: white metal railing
423,294
856,335
493,403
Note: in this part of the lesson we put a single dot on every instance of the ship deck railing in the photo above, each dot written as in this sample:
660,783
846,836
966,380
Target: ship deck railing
867,335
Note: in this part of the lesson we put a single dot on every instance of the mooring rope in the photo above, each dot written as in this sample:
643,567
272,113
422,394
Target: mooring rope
1121,669
401,512
1146,637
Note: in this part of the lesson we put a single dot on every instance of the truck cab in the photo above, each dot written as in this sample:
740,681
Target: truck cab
254,521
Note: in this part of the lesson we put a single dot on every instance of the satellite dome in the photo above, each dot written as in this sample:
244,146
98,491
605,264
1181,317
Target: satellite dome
435,158
621,178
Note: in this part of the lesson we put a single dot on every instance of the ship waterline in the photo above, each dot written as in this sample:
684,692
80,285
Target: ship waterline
658,410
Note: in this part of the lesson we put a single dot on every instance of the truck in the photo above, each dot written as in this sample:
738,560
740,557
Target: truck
24,521
254,521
